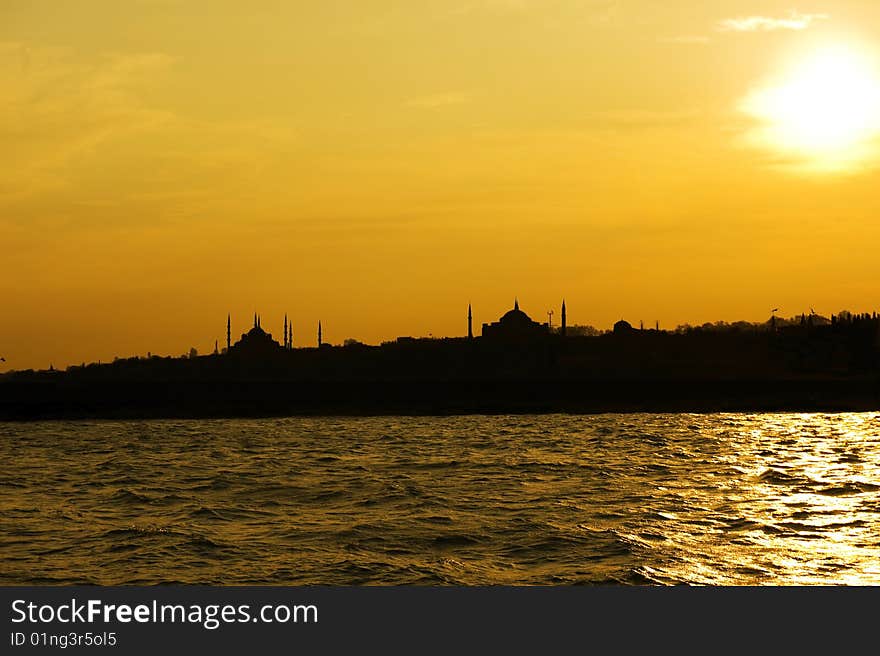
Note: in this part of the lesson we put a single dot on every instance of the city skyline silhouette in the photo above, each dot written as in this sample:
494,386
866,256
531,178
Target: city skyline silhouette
679,167
514,319
475,293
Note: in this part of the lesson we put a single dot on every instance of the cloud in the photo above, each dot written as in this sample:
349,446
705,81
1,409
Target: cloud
794,21
87,141
438,100
686,39
597,11
55,108
639,119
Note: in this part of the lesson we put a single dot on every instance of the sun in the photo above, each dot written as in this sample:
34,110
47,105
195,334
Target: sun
826,109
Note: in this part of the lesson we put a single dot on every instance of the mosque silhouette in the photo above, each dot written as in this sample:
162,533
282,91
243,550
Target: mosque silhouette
514,326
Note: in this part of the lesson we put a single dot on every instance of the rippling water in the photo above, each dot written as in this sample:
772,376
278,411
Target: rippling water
550,499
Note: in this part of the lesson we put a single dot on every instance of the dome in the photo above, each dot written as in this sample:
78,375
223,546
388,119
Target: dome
622,326
255,341
515,324
515,316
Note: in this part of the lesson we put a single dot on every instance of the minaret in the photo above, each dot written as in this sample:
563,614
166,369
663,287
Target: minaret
216,350
290,336
470,323
562,329
228,332
319,334
285,331
516,303
255,319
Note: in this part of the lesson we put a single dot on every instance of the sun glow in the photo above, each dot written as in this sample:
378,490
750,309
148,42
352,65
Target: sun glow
826,110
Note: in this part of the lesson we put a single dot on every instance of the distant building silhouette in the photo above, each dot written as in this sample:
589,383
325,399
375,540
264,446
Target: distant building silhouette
470,323
622,327
255,342
563,327
515,324
320,341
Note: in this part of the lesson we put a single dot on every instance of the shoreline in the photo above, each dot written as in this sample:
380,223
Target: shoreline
262,399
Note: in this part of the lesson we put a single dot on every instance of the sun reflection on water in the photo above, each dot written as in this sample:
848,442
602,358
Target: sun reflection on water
800,510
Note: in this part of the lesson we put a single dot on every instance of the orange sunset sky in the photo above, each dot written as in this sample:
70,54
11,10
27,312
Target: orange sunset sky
380,164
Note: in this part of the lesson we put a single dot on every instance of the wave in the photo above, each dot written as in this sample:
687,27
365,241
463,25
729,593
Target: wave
557,500
847,489
779,477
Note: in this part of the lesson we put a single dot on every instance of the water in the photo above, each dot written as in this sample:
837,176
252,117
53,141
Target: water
755,499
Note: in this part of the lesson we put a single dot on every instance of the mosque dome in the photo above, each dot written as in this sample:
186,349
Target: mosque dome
622,327
255,341
256,331
515,316
515,324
